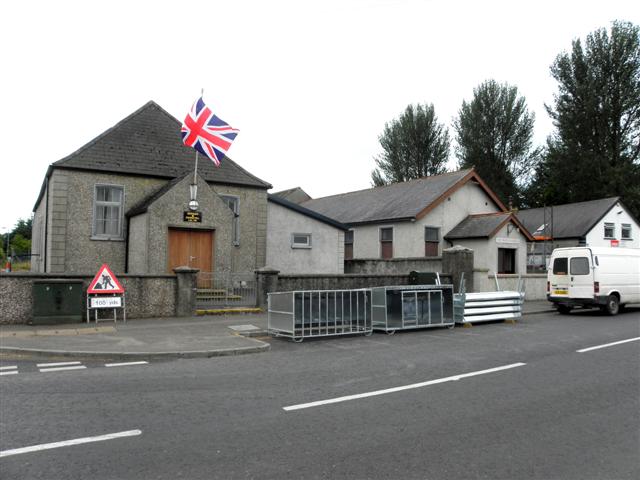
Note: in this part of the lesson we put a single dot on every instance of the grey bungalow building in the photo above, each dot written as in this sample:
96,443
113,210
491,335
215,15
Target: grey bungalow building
122,199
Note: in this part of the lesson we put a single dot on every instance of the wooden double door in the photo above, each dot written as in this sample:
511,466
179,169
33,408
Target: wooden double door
191,248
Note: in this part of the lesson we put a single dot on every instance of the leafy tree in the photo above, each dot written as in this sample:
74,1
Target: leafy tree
23,227
494,134
20,245
595,150
414,145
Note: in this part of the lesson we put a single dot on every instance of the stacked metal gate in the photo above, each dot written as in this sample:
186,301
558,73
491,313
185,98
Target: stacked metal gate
490,306
319,313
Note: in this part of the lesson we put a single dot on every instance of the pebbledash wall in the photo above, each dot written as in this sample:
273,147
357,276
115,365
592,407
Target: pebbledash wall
146,295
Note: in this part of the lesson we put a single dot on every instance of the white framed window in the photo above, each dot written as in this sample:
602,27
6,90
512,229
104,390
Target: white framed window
626,232
609,230
108,201
234,204
300,240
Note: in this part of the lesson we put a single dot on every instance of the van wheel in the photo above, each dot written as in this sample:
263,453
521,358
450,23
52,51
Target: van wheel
613,305
564,310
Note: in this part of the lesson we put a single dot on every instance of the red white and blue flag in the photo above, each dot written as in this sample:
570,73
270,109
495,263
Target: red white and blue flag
207,133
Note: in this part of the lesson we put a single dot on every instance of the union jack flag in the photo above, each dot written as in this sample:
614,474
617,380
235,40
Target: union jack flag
207,133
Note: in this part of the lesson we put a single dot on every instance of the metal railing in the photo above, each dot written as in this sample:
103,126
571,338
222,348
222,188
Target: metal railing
319,313
225,289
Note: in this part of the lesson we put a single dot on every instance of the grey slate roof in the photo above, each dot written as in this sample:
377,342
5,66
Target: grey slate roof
305,211
395,202
477,226
571,220
295,195
148,142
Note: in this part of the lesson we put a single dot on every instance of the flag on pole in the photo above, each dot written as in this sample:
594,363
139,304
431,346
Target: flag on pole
207,133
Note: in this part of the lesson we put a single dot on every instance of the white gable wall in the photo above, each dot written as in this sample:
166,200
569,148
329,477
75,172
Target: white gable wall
408,237
617,215
326,254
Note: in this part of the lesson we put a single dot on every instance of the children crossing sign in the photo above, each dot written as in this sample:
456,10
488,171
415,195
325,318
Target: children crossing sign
105,282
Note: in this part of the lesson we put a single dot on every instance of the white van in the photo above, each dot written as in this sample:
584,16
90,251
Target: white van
604,277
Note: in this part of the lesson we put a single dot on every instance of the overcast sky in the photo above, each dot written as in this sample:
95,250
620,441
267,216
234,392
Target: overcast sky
310,84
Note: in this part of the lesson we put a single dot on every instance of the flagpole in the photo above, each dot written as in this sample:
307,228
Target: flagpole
193,204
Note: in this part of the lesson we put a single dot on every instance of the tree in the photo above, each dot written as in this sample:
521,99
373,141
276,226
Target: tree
414,145
595,150
23,227
494,135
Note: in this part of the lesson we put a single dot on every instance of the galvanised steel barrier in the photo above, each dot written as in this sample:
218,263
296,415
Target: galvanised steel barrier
319,313
412,306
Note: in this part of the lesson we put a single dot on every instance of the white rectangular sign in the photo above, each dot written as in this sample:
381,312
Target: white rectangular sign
106,302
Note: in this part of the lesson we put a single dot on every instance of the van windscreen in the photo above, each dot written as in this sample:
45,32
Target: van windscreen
560,266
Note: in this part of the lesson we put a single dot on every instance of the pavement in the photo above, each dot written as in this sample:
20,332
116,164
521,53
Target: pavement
155,338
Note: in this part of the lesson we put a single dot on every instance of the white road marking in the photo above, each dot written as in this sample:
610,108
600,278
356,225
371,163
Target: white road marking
9,367
60,369
124,364
399,389
608,345
10,372
66,443
58,364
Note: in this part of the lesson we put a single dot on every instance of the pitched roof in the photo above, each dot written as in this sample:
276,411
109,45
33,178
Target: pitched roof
295,195
148,142
571,220
145,203
484,225
305,211
395,202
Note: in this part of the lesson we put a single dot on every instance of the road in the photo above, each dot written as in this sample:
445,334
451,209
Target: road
498,401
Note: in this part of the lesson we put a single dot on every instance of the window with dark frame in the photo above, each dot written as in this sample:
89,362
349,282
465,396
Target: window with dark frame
609,230
506,260
386,243
625,233
431,241
107,212
348,245
234,204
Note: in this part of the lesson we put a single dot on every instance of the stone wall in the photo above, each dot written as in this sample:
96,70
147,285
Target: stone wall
535,284
287,283
147,296
394,266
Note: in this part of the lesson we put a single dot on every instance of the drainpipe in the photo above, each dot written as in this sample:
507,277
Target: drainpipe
46,220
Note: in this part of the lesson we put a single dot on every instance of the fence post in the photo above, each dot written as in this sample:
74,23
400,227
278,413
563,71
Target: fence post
266,282
185,291
456,260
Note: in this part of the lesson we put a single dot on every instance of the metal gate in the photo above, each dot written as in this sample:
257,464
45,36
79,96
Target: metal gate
319,313
226,290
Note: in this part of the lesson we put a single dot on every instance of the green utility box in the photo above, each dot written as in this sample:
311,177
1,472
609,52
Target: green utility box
422,278
57,301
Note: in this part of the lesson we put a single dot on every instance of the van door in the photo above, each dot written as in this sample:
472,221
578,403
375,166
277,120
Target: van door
559,277
580,277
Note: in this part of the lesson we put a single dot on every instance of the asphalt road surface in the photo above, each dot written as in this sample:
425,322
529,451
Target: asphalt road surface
496,401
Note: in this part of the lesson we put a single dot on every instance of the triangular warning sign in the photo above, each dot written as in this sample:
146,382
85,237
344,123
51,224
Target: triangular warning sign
105,282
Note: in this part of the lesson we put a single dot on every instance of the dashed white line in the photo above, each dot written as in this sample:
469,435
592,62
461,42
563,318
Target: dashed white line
608,345
399,389
57,364
66,443
60,369
124,364
8,367
10,372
